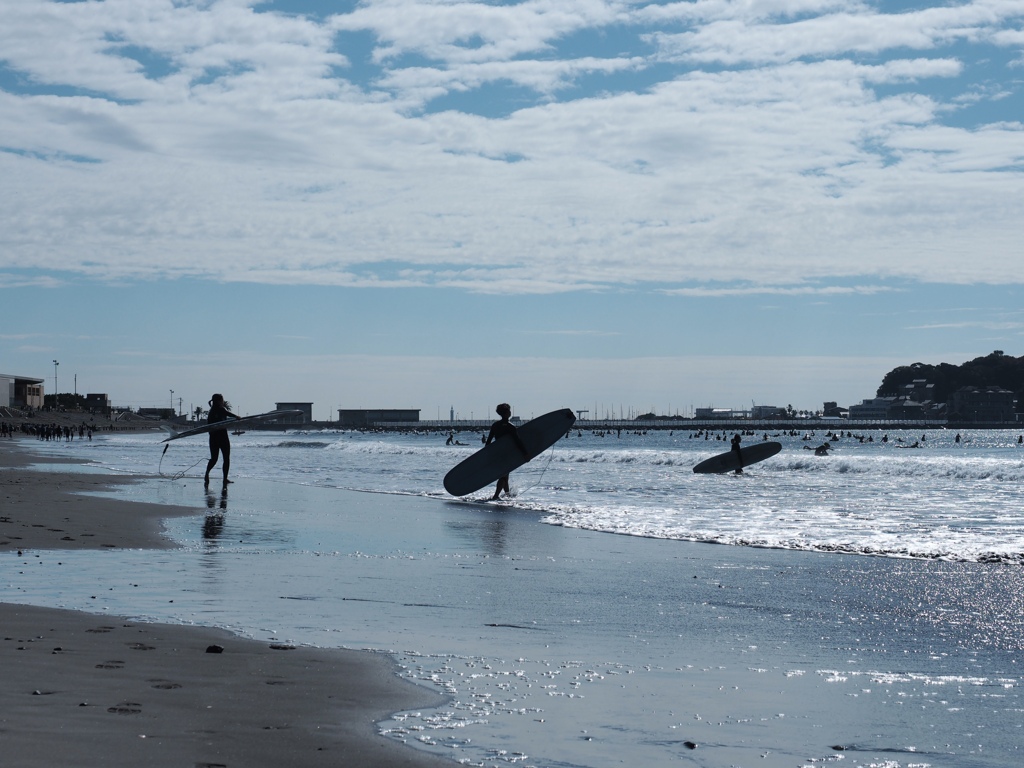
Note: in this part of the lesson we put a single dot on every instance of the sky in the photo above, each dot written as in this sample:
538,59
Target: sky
609,205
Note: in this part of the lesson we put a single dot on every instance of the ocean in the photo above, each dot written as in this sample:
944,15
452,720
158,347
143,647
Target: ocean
862,608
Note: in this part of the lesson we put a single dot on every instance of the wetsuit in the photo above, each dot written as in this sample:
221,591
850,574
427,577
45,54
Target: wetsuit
500,429
220,443
736,449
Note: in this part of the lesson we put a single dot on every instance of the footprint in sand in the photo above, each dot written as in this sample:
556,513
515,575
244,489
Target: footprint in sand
111,665
125,708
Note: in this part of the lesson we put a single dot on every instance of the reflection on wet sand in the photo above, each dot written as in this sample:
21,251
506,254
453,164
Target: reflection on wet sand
213,523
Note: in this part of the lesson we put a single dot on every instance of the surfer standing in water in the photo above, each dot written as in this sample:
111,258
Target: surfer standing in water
500,429
735,443
220,443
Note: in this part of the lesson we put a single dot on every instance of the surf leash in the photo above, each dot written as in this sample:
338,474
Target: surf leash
176,475
540,477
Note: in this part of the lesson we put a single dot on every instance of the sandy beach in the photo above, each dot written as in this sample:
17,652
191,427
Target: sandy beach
98,690
552,645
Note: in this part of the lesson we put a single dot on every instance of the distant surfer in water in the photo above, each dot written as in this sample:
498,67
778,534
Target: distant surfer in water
500,429
735,444
220,443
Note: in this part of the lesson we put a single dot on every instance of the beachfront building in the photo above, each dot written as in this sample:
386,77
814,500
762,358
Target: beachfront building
714,413
156,414
20,391
975,404
98,403
873,409
305,417
919,390
370,417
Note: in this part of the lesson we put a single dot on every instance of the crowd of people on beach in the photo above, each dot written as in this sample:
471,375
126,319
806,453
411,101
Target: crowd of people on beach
48,432
55,431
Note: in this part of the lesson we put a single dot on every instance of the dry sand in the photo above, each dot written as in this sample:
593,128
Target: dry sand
87,690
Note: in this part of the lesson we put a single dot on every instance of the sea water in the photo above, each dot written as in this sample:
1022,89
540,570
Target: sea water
865,609
938,494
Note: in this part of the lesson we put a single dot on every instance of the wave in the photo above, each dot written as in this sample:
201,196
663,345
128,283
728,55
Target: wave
919,465
582,519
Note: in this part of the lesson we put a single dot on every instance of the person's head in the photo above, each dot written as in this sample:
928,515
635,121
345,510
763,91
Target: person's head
504,410
217,399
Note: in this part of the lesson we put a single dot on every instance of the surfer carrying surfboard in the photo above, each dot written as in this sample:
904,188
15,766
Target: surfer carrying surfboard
501,428
735,443
220,443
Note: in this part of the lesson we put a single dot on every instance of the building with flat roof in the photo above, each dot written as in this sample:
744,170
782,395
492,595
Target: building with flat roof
367,417
98,402
991,403
715,413
303,418
20,391
873,409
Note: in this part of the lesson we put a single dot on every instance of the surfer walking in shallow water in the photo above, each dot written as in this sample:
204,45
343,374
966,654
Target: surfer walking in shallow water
220,443
735,444
501,428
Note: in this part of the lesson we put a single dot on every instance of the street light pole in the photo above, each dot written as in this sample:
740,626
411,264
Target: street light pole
55,364
172,402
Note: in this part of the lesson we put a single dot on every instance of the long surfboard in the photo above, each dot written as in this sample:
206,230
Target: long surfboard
233,423
727,462
503,455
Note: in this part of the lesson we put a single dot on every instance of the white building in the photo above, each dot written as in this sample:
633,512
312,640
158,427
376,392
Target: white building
20,391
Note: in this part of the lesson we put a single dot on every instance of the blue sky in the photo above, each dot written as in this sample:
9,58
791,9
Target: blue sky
583,203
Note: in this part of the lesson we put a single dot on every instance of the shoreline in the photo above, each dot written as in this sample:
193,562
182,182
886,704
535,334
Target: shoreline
95,689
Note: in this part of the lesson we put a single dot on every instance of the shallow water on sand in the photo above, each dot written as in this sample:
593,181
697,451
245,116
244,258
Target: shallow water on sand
561,646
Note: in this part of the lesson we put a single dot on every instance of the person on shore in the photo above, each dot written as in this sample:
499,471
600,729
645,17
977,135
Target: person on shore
735,446
501,428
220,443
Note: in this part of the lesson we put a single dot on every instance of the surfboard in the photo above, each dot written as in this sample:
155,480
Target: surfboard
503,455
233,423
727,462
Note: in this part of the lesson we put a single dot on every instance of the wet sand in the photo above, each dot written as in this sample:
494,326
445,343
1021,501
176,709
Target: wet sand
87,689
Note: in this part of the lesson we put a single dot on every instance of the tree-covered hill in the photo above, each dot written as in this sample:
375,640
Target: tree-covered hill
995,369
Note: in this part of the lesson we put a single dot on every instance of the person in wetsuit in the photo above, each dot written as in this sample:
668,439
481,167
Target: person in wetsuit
502,428
735,445
220,443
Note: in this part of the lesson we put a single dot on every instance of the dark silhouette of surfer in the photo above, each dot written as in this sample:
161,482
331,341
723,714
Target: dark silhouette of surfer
220,443
499,429
735,444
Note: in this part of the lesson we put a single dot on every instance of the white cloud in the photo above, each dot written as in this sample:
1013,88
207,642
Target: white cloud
739,36
783,290
990,325
247,151
472,32
421,84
